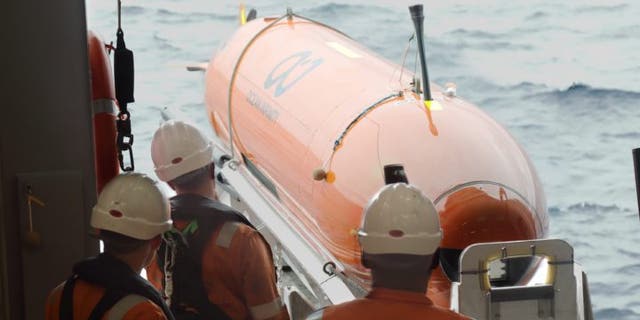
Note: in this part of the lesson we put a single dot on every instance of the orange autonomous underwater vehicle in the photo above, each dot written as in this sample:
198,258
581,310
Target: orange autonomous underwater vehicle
307,120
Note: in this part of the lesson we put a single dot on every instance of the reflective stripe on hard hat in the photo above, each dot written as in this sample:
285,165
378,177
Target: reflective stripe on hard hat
226,234
266,310
120,309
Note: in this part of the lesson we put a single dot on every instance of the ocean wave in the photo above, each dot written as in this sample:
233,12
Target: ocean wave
164,44
587,207
582,244
530,126
605,288
475,34
584,91
537,15
488,45
630,270
132,10
591,207
190,16
527,86
630,254
484,85
627,32
634,135
615,314
546,28
333,8
611,8
458,40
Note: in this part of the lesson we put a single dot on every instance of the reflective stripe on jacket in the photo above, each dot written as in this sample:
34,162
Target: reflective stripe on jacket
86,296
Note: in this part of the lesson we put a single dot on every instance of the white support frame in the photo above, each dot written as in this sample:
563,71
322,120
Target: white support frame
303,257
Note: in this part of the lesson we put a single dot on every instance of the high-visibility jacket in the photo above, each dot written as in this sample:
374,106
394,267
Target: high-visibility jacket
237,266
86,297
104,287
383,303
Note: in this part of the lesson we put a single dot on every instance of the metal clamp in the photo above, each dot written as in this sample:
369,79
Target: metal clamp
125,139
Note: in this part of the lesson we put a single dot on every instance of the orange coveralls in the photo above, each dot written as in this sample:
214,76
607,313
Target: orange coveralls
383,303
86,296
237,272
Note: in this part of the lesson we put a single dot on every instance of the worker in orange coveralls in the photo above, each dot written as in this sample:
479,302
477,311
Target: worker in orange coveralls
225,269
131,215
399,237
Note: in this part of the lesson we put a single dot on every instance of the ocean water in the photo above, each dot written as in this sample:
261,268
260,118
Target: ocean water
563,77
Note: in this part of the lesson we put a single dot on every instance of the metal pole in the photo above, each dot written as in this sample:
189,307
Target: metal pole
636,168
119,13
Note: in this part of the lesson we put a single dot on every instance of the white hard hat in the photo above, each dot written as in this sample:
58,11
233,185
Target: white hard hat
179,148
132,204
400,219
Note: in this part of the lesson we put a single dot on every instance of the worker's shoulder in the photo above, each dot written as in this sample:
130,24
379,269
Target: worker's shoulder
136,307
57,291
235,233
81,288
244,229
242,232
55,296
377,309
223,214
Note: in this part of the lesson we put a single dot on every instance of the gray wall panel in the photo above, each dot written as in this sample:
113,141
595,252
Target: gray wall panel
46,127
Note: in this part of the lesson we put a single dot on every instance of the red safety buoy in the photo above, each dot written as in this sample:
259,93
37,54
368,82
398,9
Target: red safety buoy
105,108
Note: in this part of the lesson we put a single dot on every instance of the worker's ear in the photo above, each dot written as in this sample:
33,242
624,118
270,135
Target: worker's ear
155,242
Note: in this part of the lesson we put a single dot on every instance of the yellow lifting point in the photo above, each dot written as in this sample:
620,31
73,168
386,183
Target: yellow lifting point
433,105
243,15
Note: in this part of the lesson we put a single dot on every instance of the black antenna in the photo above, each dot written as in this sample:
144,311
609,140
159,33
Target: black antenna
418,19
394,173
636,168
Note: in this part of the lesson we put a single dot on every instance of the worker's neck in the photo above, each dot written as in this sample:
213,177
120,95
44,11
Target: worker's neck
206,190
135,261
406,281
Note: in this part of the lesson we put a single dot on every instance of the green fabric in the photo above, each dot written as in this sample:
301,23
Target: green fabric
191,228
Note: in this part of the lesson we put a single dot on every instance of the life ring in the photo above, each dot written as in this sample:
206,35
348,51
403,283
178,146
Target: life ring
105,106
